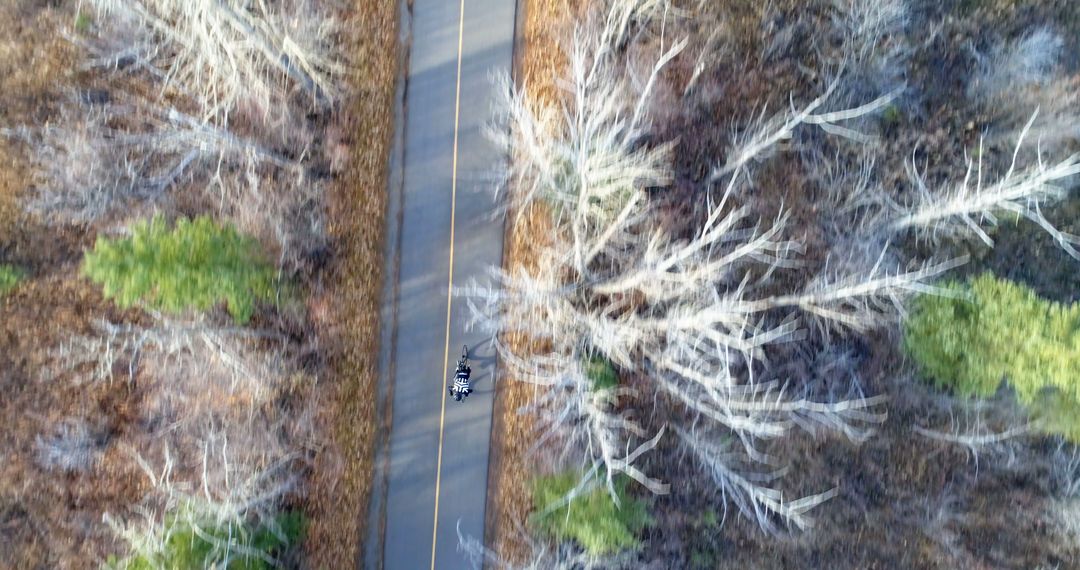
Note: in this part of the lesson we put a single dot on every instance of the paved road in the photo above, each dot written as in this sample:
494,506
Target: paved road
439,447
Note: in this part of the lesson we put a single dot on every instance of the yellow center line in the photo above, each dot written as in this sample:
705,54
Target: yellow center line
450,280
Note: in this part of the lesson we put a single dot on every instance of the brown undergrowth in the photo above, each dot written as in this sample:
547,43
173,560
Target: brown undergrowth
34,60
50,520
540,62
46,521
511,469
348,309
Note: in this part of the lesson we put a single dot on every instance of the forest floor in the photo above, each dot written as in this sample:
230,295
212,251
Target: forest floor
46,521
51,519
904,500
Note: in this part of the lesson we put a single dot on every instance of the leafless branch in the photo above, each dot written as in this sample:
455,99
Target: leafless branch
229,494
971,203
227,51
122,155
750,491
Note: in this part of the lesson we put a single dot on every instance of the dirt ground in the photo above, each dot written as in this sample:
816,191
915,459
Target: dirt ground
905,501
348,308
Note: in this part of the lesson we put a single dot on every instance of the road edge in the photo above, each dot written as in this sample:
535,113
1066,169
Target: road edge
499,400
374,543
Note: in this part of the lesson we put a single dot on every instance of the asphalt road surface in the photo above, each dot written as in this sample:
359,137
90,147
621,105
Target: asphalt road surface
439,447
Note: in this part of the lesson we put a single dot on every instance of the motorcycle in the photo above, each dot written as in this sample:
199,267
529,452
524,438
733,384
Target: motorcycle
461,386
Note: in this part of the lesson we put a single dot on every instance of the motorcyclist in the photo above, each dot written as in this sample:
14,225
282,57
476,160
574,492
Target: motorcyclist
461,387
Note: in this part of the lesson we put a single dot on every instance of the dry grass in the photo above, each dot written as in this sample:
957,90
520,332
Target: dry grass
509,498
347,312
33,60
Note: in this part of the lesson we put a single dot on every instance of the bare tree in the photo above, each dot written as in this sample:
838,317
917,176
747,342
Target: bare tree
541,556
1021,193
229,495
125,345
221,453
975,431
228,53
119,156
1065,508
191,375
867,25
959,208
127,156
695,314
117,153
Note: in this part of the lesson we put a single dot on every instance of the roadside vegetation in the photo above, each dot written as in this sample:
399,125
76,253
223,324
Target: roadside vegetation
746,213
188,300
992,332
594,521
196,265
9,278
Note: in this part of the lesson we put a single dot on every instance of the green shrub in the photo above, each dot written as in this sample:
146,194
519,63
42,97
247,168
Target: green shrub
592,519
891,116
83,22
9,278
702,542
196,264
995,331
601,372
232,547
1055,413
